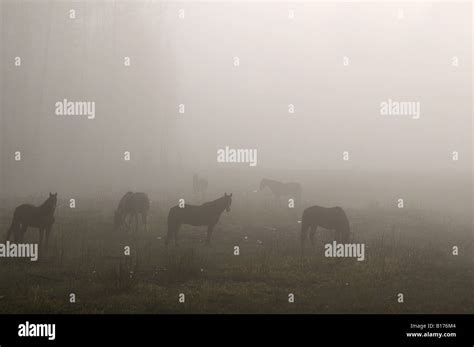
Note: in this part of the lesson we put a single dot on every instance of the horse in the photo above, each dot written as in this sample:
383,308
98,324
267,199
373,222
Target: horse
331,218
205,214
199,186
41,217
279,189
131,205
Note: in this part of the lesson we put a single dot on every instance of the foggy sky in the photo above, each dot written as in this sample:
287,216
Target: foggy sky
190,61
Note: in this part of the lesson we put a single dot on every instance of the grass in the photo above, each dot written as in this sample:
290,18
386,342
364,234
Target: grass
407,252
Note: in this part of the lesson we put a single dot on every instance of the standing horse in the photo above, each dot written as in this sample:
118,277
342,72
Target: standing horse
41,217
200,187
131,205
279,189
332,218
205,214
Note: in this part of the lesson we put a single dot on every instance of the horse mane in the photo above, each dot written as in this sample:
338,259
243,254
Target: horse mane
214,202
45,202
45,205
267,180
124,200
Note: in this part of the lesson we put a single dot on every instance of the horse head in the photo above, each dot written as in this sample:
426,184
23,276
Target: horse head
263,183
227,201
51,202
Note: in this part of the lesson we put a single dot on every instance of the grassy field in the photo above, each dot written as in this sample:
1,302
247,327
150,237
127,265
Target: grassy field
407,252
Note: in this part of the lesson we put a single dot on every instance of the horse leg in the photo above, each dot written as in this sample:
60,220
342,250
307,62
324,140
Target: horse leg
209,233
304,235
298,198
277,200
16,233
21,233
168,236
176,235
48,230
14,227
144,218
9,232
171,230
129,224
341,236
41,234
311,234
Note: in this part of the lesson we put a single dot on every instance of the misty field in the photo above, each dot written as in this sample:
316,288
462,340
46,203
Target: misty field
407,251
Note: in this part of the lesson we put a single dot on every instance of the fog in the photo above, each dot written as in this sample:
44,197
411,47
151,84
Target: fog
191,61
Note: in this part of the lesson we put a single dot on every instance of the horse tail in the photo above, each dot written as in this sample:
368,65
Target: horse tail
195,183
147,204
298,193
172,223
304,228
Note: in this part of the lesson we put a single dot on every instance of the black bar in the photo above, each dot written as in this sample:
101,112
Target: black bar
108,330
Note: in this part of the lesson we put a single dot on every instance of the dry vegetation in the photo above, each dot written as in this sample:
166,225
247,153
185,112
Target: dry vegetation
407,251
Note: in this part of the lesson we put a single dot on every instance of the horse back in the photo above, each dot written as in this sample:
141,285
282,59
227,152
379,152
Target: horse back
293,188
134,203
32,216
326,217
124,200
194,215
284,188
140,202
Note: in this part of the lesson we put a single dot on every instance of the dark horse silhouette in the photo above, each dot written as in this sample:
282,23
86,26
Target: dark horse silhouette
41,217
131,205
331,218
280,189
199,186
205,214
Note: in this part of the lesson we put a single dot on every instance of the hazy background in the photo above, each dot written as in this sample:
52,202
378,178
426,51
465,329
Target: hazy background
282,62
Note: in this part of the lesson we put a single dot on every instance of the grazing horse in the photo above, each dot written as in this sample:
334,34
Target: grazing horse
280,189
205,214
131,205
41,217
199,186
332,218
